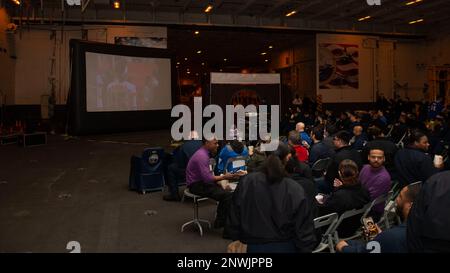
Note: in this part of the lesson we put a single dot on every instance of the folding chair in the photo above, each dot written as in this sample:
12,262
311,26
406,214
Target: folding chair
283,139
400,143
321,166
346,215
385,198
445,153
391,128
395,188
329,220
389,209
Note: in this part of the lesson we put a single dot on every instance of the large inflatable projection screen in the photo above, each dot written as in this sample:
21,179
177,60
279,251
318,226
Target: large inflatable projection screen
124,83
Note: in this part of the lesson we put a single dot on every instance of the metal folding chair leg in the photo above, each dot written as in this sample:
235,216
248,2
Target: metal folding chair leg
330,244
321,247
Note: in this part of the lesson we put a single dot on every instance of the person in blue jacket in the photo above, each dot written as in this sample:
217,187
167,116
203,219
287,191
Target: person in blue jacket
233,149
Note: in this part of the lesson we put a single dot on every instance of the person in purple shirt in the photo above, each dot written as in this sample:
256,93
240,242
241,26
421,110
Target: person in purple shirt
201,180
375,178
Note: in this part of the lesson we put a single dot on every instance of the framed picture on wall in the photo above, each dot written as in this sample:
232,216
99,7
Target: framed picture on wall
338,66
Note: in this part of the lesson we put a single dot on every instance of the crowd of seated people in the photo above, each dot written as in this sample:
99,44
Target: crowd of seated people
371,152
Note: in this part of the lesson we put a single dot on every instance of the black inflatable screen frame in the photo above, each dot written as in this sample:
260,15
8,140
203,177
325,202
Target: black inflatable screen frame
81,122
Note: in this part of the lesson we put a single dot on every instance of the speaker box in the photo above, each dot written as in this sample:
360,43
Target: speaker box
34,139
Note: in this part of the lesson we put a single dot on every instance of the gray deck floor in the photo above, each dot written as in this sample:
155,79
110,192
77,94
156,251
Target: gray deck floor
77,190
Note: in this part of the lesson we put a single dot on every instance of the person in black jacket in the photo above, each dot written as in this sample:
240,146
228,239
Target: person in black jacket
428,222
343,123
343,151
295,165
301,173
177,169
348,195
270,212
400,128
412,163
319,150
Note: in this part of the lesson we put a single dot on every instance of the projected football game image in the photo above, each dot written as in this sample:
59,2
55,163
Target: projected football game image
121,83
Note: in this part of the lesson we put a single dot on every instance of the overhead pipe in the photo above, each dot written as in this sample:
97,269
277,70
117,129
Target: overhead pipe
42,11
84,4
124,12
307,26
63,19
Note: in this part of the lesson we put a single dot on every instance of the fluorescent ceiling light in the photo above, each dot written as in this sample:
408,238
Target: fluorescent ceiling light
364,18
413,2
291,13
416,21
208,8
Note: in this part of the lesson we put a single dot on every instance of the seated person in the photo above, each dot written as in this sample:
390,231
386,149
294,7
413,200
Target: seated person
392,240
298,171
257,155
233,149
383,143
177,169
428,222
375,178
343,151
270,212
300,168
319,150
348,195
413,163
295,142
201,181
256,159
359,138
300,129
